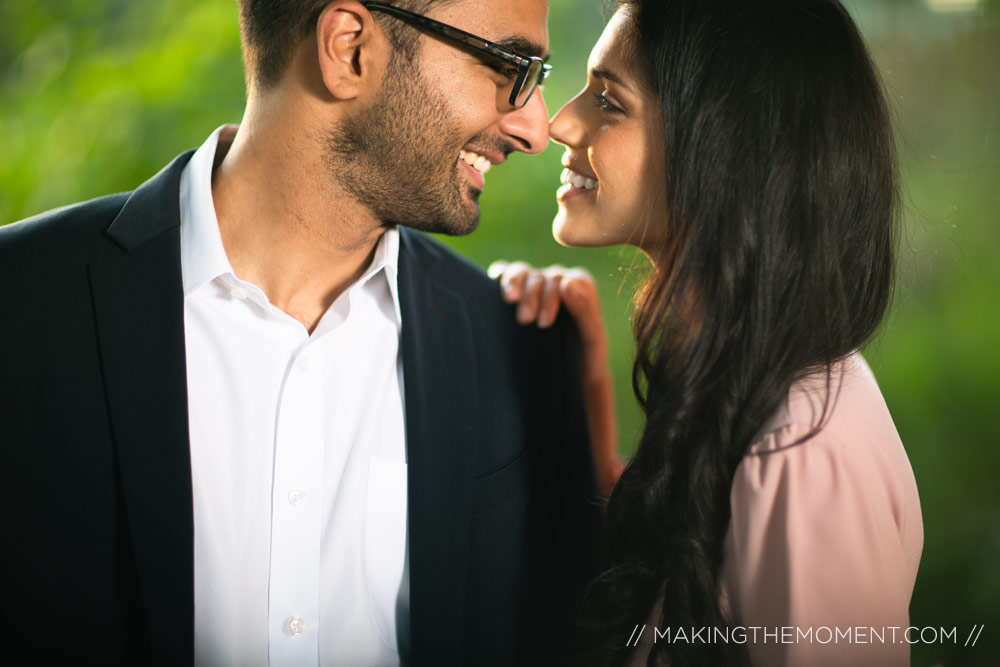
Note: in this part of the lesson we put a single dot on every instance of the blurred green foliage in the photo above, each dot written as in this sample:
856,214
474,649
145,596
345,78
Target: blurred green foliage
98,95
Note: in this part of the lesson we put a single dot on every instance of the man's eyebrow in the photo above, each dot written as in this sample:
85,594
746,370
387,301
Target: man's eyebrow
524,47
604,73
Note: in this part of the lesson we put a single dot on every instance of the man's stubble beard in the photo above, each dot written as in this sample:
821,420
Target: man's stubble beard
398,157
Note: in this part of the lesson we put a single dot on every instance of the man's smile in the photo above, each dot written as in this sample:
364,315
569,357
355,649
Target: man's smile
476,165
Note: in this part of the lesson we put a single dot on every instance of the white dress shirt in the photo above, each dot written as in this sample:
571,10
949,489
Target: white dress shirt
298,460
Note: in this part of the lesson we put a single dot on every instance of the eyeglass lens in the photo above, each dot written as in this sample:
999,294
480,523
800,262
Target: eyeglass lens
528,83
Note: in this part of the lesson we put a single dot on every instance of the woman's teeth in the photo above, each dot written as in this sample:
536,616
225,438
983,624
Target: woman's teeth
577,180
476,161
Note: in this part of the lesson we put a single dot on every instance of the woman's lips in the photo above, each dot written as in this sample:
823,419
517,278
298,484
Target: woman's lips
567,192
575,184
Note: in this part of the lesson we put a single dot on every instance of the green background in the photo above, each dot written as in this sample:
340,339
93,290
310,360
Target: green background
98,95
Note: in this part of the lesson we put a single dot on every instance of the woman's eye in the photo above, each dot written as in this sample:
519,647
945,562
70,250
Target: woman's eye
605,104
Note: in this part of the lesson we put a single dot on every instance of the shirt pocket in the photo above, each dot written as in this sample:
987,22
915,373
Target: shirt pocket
385,545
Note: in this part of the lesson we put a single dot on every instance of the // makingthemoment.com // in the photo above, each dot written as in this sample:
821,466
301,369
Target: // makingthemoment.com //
804,635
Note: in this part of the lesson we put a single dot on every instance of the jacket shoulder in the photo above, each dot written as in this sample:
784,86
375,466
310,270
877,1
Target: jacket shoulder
448,262
491,315
75,226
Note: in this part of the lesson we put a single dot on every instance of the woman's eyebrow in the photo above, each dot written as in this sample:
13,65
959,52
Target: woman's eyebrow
601,72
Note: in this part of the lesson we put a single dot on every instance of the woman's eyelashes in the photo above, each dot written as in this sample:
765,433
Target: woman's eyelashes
605,104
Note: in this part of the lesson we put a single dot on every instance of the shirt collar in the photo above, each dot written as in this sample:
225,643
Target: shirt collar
386,259
203,257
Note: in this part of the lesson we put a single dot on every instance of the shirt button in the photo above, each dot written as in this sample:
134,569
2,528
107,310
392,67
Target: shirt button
302,363
296,625
238,293
297,498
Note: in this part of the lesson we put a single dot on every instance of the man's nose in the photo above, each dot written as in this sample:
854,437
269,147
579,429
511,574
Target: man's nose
529,125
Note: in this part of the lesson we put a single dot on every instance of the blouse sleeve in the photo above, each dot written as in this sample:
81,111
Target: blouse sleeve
819,568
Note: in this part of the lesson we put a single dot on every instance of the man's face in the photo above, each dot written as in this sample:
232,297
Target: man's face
418,154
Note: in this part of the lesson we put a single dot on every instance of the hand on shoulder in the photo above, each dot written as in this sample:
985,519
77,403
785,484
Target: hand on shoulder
539,294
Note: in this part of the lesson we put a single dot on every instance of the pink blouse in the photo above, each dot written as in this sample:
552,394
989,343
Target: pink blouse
825,538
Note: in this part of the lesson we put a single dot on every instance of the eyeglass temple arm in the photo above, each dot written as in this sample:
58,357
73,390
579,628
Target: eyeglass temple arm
449,32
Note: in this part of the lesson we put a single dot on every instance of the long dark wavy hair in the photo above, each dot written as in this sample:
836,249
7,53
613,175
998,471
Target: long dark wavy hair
781,185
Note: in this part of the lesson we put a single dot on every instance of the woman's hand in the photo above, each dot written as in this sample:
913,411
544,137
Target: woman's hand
539,294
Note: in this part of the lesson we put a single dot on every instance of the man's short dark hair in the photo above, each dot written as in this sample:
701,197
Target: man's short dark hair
272,29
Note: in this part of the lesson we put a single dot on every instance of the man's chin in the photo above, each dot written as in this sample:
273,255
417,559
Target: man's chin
462,225
468,229
473,214
466,220
459,227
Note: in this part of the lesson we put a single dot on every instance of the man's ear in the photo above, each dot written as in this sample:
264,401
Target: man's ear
352,49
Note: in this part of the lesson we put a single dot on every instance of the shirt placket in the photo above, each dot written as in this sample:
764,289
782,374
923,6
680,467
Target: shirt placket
296,513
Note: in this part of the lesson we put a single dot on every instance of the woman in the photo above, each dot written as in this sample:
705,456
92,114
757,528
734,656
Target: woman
747,149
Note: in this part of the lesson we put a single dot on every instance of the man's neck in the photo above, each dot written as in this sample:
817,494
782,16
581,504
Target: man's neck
285,225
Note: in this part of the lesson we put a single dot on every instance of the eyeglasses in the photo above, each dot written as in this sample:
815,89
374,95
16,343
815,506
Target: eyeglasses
531,71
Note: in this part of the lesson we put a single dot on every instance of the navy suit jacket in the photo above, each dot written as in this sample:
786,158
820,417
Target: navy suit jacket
99,565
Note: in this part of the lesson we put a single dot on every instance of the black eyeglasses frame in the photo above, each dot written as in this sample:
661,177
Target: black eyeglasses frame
531,70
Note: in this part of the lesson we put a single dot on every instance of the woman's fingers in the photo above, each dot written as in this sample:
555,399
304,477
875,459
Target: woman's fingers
579,293
540,293
497,268
551,297
512,277
531,294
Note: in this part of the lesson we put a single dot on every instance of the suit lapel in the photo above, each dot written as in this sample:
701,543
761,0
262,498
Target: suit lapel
139,310
442,434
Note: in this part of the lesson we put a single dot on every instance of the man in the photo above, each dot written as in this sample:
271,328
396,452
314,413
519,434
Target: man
251,416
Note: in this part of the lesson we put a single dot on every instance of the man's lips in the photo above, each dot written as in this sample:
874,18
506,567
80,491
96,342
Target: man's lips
477,165
477,177
482,161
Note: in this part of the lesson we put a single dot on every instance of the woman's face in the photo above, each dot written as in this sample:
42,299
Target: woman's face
613,181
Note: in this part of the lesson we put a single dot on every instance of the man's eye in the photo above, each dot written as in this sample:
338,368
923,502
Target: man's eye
504,70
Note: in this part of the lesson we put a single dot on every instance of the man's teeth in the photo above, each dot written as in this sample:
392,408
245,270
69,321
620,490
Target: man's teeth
578,180
476,161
